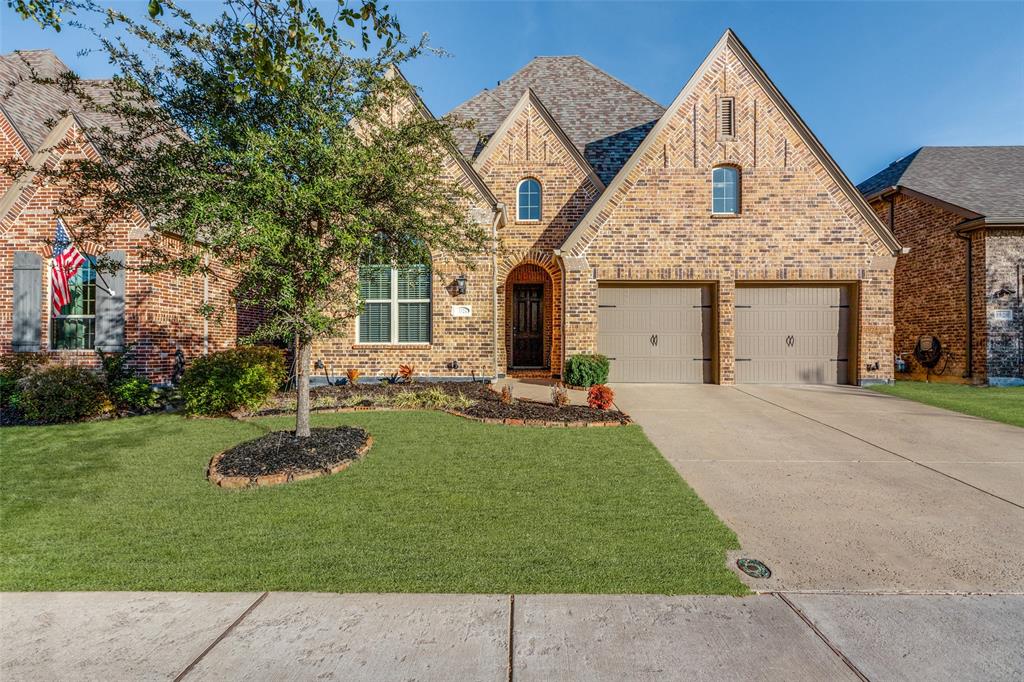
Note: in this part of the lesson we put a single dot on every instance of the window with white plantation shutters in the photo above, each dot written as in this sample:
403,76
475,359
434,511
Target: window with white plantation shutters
396,304
726,117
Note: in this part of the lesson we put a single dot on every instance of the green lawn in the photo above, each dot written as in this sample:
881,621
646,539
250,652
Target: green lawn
440,504
1002,404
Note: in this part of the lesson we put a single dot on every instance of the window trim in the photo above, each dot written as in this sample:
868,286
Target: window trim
394,302
739,190
50,347
540,200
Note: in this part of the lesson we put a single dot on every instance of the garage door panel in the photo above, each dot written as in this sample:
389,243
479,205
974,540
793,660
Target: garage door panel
761,370
792,334
678,318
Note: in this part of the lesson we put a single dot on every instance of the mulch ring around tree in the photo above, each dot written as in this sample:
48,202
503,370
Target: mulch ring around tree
280,457
472,399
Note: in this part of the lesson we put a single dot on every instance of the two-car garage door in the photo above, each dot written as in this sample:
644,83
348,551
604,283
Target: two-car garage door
784,334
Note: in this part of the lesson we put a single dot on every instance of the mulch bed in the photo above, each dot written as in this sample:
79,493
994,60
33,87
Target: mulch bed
280,457
487,405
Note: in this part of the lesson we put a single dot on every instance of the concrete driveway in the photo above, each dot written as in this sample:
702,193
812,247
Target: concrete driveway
843,489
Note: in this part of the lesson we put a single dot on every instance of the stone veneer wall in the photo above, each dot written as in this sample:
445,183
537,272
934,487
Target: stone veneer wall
795,224
1004,291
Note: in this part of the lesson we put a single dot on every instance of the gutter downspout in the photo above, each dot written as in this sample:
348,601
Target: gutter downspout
969,371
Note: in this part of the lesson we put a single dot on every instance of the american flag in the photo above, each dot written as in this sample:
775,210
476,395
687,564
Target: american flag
66,263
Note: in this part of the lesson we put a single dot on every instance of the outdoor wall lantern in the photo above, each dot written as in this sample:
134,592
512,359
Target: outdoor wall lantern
460,285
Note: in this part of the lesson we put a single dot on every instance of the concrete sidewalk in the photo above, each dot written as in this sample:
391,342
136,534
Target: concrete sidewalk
150,636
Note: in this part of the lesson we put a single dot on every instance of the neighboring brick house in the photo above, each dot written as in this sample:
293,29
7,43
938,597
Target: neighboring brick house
713,241
951,206
157,313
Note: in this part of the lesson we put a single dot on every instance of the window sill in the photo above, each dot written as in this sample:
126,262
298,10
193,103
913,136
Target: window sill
725,215
83,351
407,346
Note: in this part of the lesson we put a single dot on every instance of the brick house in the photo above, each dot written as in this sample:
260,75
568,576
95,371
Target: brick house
157,313
712,241
953,206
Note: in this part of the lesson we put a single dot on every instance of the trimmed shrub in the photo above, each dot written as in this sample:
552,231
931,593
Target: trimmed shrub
133,394
14,368
586,370
58,394
600,397
228,380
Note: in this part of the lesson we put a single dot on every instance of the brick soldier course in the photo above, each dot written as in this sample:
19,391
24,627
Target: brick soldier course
626,198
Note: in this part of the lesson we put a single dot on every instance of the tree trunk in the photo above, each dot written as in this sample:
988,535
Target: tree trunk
303,351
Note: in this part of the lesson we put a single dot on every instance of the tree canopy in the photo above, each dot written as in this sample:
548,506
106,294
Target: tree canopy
286,184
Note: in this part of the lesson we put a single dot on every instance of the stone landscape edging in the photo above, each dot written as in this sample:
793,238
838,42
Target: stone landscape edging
266,480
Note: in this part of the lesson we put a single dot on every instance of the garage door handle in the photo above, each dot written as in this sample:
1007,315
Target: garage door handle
654,339
790,340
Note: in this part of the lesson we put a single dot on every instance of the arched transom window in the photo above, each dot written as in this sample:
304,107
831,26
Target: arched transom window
725,190
529,200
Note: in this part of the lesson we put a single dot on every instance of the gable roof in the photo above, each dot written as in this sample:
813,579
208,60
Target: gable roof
33,108
602,116
729,40
987,181
530,98
457,154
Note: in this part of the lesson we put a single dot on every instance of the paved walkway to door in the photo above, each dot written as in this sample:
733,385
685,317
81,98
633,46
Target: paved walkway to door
843,489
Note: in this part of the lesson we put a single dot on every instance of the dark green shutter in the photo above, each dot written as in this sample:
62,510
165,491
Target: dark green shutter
28,291
110,304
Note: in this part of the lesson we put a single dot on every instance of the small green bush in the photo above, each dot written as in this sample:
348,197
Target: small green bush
13,368
133,394
59,394
228,380
586,370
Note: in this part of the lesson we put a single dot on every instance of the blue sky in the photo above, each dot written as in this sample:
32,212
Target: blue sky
873,80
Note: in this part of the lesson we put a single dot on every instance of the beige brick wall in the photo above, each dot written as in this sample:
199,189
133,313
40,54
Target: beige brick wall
795,224
459,346
530,148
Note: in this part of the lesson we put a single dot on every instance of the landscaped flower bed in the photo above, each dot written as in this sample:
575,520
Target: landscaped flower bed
279,457
474,400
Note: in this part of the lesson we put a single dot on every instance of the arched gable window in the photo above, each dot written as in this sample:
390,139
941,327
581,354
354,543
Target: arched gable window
725,190
528,200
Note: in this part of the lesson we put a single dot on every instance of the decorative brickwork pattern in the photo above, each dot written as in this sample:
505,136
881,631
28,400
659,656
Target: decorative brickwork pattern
796,224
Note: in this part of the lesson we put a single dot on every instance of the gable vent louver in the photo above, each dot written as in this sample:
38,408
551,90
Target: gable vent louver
726,118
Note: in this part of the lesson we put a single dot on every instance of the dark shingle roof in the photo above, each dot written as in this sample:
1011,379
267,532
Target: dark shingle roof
986,180
605,118
34,108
